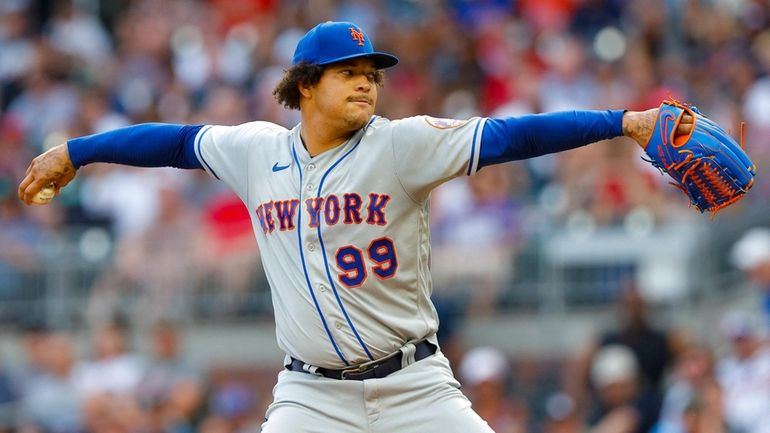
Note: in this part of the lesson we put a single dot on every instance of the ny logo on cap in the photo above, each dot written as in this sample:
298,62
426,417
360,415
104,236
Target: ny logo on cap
357,35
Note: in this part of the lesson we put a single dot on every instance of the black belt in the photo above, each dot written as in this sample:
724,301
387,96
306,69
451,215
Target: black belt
376,369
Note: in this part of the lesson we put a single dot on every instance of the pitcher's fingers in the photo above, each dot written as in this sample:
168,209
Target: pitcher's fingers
684,129
686,118
24,184
33,188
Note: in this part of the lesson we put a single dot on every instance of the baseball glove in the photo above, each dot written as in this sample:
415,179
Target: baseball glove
706,164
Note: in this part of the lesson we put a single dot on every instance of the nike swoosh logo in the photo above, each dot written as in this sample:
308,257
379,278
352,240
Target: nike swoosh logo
277,167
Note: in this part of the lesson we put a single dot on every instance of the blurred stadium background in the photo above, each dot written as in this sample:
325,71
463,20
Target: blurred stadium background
137,302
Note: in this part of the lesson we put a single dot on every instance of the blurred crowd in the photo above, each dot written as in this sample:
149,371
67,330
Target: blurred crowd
636,376
75,67
158,237
112,386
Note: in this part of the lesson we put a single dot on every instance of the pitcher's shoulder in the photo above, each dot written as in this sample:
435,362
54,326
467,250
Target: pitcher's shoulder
383,125
424,121
260,127
383,122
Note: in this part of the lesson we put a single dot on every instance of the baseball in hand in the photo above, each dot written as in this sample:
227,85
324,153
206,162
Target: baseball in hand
45,195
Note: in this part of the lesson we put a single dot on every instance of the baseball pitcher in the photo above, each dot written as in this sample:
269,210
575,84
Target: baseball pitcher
339,207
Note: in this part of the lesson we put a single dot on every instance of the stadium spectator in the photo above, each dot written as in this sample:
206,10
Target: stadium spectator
170,390
693,399
51,401
744,374
653,352
751,254
108,382
620,406
483,373
34,335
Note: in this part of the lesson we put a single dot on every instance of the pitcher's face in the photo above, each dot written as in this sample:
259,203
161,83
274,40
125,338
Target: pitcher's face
347,93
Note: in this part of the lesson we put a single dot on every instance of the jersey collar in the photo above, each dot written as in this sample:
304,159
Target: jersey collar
304,156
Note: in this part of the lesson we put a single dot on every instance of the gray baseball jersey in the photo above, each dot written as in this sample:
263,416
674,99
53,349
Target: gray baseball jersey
344,235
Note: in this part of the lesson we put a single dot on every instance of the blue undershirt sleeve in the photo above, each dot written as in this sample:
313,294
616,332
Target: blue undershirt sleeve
523,137
143,145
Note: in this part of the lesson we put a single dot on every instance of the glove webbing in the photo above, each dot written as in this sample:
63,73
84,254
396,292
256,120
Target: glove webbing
712,185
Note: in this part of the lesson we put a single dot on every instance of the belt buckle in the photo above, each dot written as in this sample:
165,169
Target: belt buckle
359,369
366,366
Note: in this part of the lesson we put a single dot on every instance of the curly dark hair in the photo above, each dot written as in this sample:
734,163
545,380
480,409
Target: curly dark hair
287,90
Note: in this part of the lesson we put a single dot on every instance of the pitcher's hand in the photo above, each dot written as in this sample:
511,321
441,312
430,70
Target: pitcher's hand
640,124
52,167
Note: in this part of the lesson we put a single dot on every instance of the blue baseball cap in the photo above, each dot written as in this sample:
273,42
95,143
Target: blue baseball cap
332,42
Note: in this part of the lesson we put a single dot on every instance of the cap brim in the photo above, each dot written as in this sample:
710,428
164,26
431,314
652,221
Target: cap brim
381,60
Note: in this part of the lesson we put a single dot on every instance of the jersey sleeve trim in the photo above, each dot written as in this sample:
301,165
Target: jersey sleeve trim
473,161
199,154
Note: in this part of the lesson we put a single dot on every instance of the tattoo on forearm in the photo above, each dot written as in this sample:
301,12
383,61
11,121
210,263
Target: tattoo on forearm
640,126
